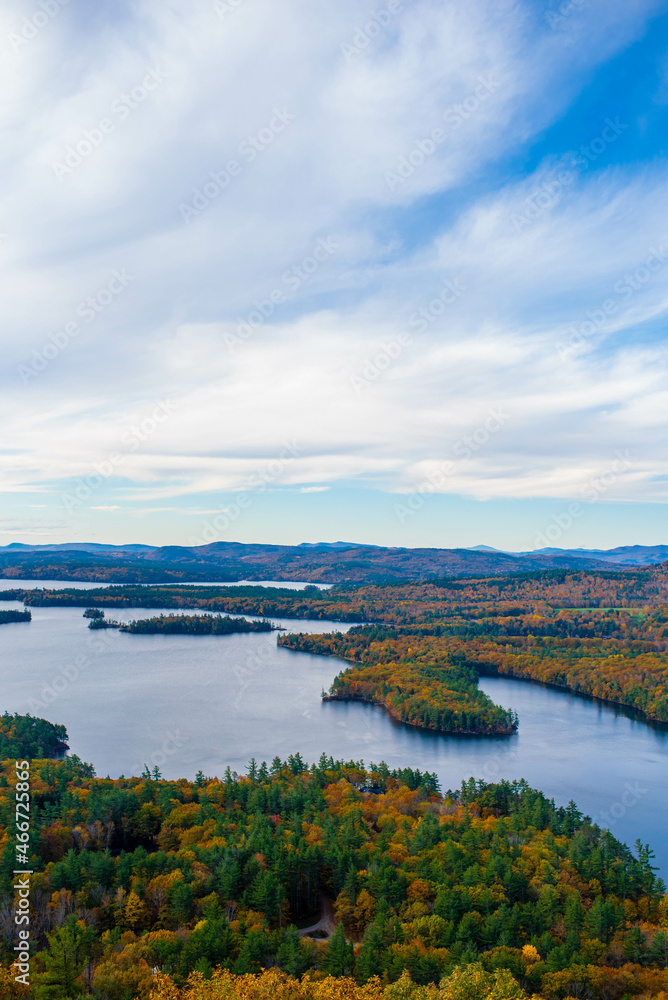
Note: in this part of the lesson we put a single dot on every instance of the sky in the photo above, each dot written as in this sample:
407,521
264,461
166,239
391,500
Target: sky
392,272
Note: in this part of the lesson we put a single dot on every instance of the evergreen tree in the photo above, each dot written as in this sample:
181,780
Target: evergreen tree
69,949
340,956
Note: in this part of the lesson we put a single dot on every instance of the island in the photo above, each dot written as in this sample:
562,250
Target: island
195,625
102,622
7,617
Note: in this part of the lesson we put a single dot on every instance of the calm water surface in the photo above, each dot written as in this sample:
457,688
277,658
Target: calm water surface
203,702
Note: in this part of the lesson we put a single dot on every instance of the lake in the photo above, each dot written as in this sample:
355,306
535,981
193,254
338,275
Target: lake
190,703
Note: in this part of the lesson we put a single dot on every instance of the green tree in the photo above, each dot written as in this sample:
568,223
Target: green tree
70,948
340,956
658,950
213,942
634,945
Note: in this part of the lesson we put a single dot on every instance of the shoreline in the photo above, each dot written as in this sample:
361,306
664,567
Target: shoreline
638,713
467,733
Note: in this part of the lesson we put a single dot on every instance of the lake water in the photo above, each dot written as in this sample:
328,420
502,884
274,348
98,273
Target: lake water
203,702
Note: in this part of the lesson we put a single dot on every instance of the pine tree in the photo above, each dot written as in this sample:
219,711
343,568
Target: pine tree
340,956
69,949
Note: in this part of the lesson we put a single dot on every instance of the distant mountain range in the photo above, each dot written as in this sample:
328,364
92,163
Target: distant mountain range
624,555
320,562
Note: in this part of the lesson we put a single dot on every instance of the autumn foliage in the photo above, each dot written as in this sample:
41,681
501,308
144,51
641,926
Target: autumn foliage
489,891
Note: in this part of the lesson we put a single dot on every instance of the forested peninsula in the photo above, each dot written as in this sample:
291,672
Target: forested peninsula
23,736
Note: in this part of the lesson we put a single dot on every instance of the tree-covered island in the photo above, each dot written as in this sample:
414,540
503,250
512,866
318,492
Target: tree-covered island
196,625
8,617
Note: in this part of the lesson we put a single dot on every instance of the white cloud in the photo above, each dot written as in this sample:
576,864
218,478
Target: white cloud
323,175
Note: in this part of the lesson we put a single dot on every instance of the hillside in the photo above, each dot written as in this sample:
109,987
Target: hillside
234,561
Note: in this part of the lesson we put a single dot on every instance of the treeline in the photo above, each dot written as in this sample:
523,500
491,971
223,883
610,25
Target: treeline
625,673
25,737
6,617
270,601
393,603
139,874
195,625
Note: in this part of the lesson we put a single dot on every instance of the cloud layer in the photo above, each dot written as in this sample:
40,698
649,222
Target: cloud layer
241,228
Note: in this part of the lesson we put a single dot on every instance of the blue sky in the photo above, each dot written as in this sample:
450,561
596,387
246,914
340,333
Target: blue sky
391,272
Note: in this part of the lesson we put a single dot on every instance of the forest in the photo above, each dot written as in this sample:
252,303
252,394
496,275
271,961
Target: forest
7,617
329,876
391,603
25,736
274,601
196,625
